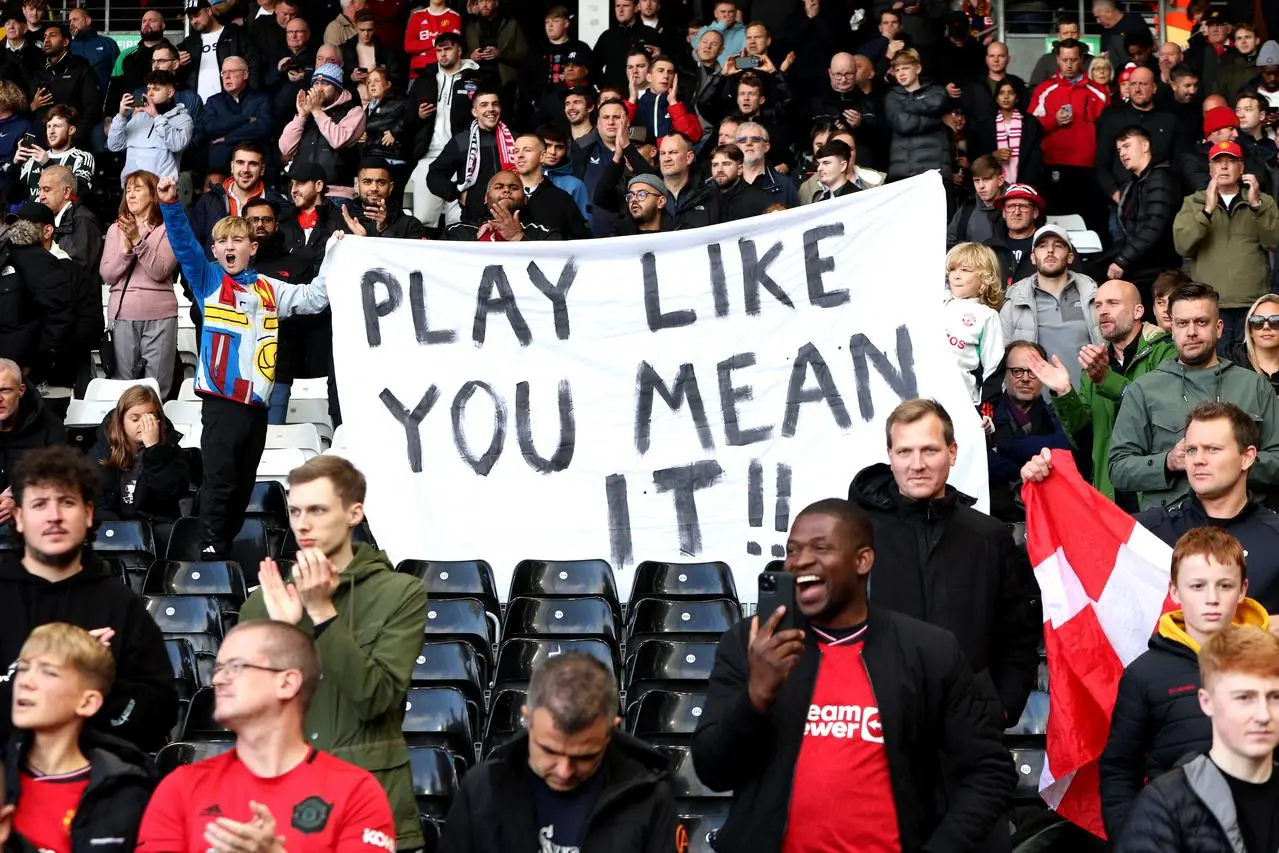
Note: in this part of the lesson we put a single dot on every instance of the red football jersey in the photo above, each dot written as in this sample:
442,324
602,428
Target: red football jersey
323,805
46,807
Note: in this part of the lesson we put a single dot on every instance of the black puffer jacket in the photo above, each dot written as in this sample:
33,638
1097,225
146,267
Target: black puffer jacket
1161,125
931,712
919,139
38,306
162,482
390,114
949,565
1147,206
121,780
1157,719
1190,810
493,811
38,426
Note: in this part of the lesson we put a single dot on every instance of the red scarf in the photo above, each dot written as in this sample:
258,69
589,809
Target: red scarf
233,205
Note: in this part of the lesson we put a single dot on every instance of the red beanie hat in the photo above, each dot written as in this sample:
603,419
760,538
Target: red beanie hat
1218,117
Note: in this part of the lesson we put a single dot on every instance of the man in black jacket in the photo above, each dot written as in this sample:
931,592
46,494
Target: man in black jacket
546,204
573,781
473,156
616,43
1147,205
68,80
370,214
306,232
1140,110
952,566
646,199
502,221
38,307
26,423
54,576
1224,800
737,198
209,43
841,728
689,202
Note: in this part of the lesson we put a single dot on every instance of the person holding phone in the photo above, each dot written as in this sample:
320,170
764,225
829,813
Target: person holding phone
839,729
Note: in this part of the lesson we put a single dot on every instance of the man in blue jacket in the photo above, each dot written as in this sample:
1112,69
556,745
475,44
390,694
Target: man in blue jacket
236,114
98,50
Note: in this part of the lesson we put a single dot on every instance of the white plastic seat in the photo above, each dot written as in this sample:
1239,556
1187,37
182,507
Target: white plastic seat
1070,221
310,389
1085,242
310,411
185,412
277,463
87,413
304,437
187,391
111,389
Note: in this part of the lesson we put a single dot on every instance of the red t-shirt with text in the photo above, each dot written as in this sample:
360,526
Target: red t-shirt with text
46,807
842,799
323,805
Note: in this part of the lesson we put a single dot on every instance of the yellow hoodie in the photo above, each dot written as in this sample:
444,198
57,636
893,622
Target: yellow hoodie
1172,625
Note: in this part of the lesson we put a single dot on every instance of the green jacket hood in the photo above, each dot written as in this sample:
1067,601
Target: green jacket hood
367,561
1151,333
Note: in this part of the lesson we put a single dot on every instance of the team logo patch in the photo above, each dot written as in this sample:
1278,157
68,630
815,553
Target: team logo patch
970,320
310,815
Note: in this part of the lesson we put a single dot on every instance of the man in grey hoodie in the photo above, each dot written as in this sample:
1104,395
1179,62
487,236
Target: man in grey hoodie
155,132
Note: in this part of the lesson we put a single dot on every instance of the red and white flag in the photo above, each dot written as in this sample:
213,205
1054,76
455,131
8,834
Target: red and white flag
1103,579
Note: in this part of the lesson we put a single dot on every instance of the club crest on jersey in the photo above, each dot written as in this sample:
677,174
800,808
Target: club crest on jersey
311,815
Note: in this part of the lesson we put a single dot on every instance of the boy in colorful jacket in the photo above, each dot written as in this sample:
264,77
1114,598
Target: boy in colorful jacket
241,313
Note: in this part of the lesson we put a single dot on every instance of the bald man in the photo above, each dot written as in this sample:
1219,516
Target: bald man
1133,348
852,98
1140,110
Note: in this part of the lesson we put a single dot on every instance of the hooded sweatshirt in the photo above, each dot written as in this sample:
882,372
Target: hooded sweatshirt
1157,718
154,144
369,650
142,705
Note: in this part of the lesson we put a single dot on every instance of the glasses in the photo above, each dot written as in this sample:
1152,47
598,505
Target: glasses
234,667
1257,321
639,194
741,140
843,74
1019,206
1020,372
260,220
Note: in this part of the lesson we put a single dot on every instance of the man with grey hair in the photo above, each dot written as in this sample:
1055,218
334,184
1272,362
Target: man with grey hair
752,138
573,781
26,424
76,229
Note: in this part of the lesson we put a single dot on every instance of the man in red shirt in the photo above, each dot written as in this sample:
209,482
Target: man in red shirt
885,702
274,792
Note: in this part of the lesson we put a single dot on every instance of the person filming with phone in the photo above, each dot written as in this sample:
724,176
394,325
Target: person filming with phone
886,702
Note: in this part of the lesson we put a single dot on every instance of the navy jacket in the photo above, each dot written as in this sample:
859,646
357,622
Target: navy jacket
234,121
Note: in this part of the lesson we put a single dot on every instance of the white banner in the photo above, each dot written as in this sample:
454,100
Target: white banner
668,397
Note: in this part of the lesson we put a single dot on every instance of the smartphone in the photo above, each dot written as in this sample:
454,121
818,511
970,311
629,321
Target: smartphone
28,139
1069,109
746,63
775,590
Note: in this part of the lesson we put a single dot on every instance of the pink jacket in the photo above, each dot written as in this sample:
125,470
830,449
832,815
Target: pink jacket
150,295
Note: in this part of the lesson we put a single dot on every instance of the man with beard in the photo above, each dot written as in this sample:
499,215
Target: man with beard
52,575
645,207
59,128
1132,348
326,130
207,46
369,214
579,112
846,100
314,218
503,199
1020,208
1147,448
136,63
546,204
68,81
338,587
248,164
473,156
1147,205
234,116
737,198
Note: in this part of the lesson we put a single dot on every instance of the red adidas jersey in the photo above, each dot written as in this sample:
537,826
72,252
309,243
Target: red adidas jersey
323,805
842,800
46,807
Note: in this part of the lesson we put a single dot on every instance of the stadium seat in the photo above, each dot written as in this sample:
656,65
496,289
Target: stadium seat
184,411
683,778
669,664
517,658
304,437
456,579
82,421
702,825
1041,676
310,411
661,715
277,463
109,390
186,677
256,540
463,619
441,716
505,721
221,579
683,580
180,753
589,616
434,779
450,663
565,578
1029,764
199,724
187,390
270,502
362,534
705,619
1034,718
197,618
129,543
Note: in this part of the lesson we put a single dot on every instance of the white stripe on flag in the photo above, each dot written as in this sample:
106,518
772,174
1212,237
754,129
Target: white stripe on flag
1129,607
1061,591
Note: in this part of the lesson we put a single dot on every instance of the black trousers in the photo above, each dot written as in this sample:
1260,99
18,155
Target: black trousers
231,443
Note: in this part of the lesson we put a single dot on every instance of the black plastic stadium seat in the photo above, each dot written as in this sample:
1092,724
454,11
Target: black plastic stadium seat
1029,764
441,716
434,779
200,724
565,578
683,778
186,678
702,819
661,619
197,618
450,663
180,753
1034,718
130,543
517,658
256,540
589,616
463,619
661,715
455,579
269,501
505,720
683,580
669,664
222,579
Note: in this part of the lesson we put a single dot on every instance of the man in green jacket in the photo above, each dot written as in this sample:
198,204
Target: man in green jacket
367,622
1147,446
1228,231
1133,348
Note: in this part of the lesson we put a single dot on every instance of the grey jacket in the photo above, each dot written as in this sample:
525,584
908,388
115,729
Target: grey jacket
154,144
1189,810
1018,311
919,139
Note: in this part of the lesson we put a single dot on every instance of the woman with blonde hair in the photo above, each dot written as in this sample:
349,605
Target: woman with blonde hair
973,329
13,123
138,265
1102,72
1261,342
144,473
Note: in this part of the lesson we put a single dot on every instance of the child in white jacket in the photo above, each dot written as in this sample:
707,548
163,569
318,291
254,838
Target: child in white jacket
973,330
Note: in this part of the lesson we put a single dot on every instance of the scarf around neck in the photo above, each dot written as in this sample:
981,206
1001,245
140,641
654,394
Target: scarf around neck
505,153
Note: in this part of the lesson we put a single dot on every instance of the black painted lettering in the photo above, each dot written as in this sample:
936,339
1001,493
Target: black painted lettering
483,463
798,392
901,379
375,309
411,421
568,431
719,282
486,303
647,381
730,395
557,293
683,483
815,265
755,275
421,325
619,520
653,300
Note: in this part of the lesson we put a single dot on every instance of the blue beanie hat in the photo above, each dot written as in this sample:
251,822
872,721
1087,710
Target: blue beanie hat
329,72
